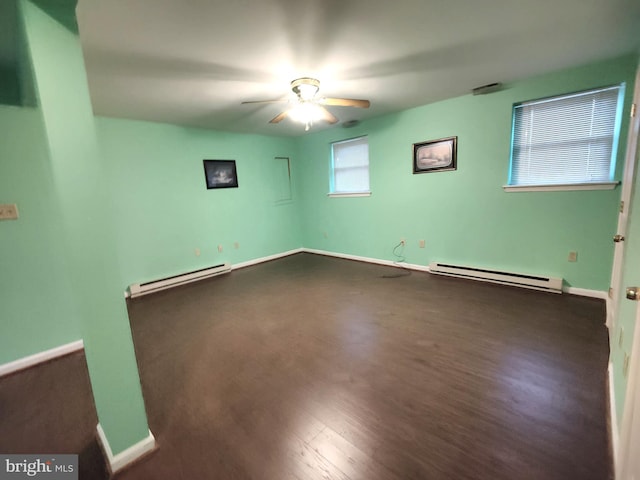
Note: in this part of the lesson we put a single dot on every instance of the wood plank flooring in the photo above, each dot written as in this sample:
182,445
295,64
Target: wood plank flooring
312,367
50,409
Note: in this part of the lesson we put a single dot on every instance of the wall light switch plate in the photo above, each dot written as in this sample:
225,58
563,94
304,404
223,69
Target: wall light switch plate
421,244
573,256
220,248
8,211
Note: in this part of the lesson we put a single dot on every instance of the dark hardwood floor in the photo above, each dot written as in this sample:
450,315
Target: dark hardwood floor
49,409
311,367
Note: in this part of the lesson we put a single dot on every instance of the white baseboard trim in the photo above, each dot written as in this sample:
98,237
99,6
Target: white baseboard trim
256,261
115,463
40,357
248,263
425,268
613,419
584,292
411,266
388,263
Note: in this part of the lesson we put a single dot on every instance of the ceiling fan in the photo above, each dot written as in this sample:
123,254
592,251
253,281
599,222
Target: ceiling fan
308,107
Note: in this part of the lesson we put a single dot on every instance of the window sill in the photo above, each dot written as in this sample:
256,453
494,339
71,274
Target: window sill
352,194
561,187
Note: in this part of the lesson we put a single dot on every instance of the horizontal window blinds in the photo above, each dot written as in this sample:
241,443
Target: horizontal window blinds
351,166
564,140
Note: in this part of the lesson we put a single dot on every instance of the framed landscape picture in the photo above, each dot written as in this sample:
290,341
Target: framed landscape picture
435,155
220,173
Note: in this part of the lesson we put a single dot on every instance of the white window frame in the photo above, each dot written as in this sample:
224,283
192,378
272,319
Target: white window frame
601,184
332,180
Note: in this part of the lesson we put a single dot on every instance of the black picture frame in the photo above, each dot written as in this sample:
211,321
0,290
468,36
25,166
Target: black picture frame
435,155
220,174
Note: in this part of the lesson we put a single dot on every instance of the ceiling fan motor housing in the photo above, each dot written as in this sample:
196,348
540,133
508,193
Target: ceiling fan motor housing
310,108
305,87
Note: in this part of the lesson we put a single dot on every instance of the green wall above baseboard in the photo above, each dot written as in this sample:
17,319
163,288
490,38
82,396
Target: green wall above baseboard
465,216
164,221
168,222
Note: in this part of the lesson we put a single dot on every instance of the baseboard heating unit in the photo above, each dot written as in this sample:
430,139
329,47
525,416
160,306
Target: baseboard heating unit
139,289
535,282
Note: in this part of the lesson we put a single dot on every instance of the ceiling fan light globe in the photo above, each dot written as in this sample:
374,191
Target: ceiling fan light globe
307,92
306,113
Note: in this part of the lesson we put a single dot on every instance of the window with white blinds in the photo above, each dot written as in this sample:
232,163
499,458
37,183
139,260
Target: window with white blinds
350,167
566,140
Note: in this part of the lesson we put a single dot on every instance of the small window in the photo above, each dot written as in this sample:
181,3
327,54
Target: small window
350,167
566,141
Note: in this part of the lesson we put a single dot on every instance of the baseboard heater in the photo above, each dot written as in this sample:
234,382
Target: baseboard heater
535,282
139,289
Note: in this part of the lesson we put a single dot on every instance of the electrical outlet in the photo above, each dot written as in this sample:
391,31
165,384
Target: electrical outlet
236,245
197,252
421,243
9,211
625,365
621,337
220,248
573,257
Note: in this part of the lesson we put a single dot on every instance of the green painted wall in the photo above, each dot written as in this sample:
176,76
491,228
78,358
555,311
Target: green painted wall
9,80
16,83
164,211
465,216
110,202
82,208
626,320
103,208
37,310
9,85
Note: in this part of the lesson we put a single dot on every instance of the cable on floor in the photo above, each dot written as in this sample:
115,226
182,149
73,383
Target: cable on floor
398,252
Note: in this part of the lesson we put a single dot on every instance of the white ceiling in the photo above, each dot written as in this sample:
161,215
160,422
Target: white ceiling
192,62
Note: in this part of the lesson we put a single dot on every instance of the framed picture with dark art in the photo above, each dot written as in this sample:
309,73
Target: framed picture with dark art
220,173
435,155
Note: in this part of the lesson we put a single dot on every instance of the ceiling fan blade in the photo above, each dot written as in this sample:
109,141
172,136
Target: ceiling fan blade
265,101
328,116
346,102
278,118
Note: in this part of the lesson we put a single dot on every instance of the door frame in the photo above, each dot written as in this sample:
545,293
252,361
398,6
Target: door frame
614,294
628,459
